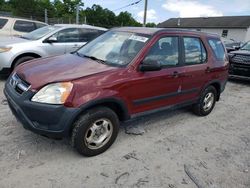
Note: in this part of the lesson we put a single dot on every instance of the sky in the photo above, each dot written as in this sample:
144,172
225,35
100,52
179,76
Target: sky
161,10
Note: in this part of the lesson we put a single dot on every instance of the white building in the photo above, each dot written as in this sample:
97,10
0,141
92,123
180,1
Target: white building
231,27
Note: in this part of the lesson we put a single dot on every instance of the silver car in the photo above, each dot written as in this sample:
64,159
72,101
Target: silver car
44,42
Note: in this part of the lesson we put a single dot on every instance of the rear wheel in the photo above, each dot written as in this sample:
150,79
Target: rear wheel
206,102
22,60
95,131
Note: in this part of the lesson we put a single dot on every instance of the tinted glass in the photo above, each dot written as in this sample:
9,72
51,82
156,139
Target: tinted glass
88,34
195,52
217,48
2,22
165,51
24,26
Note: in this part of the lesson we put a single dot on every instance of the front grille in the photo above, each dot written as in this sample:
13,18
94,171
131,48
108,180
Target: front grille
19,84
243,59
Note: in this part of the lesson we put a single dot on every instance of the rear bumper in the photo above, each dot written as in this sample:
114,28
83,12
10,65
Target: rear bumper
49,120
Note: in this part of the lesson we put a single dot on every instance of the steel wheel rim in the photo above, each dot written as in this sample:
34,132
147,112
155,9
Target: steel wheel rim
208,101
98,134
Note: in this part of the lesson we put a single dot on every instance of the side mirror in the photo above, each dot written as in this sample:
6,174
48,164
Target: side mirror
51,39
150,65
236,47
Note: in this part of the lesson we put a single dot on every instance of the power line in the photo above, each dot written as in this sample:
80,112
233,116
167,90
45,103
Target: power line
131,4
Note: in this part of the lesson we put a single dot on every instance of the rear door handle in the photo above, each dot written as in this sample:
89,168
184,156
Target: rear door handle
208,69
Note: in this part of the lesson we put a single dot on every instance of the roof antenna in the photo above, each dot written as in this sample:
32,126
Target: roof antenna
179,22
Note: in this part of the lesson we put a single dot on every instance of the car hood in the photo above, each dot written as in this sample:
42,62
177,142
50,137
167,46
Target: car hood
68,67
4,41
241,52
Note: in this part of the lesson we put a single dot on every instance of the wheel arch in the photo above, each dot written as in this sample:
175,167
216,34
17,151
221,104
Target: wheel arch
33,54
115,104
217,85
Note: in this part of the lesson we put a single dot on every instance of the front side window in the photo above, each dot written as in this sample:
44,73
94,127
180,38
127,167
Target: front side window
24,26
165,51
3,22
217,48
67,35
195,52
115,48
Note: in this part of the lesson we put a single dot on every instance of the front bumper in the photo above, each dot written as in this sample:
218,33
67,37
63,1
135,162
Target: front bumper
49,120
239,71
6,59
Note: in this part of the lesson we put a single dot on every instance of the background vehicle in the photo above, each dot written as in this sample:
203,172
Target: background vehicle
231,45
124,73
17,27
240,62
44,42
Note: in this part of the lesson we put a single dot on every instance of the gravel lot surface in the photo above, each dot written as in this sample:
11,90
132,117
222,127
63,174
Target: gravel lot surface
176,149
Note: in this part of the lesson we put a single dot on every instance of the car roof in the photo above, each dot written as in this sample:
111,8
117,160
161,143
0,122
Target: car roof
22,19
153,31
81,26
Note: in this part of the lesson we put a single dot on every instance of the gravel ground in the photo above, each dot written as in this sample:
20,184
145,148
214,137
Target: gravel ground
177,149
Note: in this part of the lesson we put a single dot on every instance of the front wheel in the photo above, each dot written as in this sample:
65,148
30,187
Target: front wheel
95,131
206,102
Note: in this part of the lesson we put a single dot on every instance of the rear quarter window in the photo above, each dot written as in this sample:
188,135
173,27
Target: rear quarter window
24,26
217,48
3,22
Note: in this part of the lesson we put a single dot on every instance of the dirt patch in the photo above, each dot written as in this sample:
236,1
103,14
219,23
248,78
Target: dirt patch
175,145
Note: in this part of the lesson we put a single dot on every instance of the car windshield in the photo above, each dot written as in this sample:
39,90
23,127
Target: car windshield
114,48
246,46
39,33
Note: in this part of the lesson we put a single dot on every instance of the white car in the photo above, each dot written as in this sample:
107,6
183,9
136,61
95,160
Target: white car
44,42
17,27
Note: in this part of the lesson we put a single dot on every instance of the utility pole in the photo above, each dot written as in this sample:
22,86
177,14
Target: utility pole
145,13
46,16
77,14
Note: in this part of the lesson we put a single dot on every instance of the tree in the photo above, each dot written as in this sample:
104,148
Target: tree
98,16
151,24
126,19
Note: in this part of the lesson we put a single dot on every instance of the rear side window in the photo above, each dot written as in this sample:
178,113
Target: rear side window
3,22
217,48
87,35
195,52
24,26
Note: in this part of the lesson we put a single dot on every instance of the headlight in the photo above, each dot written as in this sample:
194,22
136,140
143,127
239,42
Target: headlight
5,49
56,93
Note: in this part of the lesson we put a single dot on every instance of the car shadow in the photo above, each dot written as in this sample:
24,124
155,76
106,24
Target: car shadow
238,81
3,78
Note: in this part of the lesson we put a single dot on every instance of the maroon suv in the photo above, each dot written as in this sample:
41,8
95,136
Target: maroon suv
124,73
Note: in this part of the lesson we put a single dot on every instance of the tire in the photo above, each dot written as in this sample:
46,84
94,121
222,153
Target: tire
99,120
22,60
205,106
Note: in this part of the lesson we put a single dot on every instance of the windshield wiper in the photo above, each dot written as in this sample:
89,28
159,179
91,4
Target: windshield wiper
94,58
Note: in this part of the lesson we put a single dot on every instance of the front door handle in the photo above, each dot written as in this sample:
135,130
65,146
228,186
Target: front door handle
175,74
